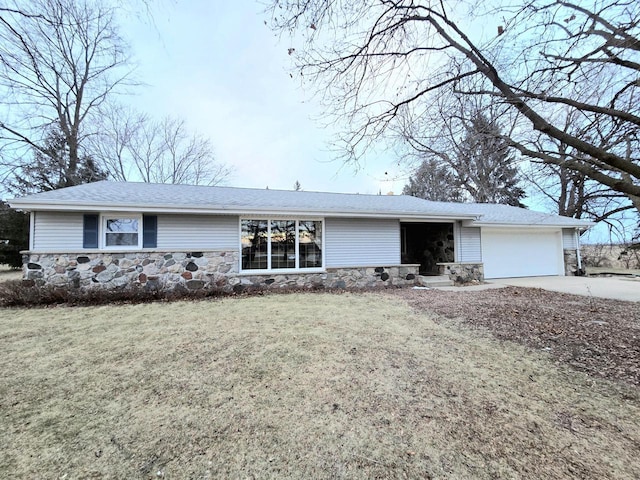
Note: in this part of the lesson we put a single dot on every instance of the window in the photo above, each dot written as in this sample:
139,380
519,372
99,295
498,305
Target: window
254,244
281,244
122,231
119,231
310,243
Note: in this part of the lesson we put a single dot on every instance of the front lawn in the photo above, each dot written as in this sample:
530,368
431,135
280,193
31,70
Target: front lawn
297,386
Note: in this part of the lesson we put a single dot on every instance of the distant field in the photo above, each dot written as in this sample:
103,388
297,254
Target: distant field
612,270
296,386
614,258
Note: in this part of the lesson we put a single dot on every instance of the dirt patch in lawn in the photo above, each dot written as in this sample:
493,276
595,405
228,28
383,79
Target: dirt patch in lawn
598,336
356,386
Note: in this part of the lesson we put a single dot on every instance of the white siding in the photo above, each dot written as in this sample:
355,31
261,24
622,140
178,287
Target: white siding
198,232
361,242
57,231
569,240
470,249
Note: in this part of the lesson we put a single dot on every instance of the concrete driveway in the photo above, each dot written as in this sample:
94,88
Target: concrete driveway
618,288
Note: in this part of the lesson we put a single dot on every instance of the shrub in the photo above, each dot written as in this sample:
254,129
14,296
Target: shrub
23,293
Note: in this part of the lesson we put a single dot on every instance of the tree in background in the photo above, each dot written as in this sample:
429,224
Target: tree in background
60,60
473,165
14,235
133,146
572,193
376,60
48,169
484,165
435,181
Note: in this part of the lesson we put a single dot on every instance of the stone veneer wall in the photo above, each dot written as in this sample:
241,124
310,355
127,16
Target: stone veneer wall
570,261
192,271
463,272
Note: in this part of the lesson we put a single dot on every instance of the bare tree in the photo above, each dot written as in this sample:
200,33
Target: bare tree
59,61
165,152
132,146
117,129
377,59
466,136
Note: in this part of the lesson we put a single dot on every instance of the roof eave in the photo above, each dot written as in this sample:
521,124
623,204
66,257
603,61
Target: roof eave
220,210
532,225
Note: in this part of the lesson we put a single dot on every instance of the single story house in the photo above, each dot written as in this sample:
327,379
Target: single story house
111,234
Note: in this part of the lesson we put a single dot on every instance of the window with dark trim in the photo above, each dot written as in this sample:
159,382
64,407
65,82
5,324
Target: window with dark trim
120,231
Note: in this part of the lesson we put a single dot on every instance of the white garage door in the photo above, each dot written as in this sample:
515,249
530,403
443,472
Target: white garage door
521,253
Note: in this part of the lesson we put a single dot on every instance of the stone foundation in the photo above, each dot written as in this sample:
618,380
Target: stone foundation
153,270
461,273
570,262
345,277
190,271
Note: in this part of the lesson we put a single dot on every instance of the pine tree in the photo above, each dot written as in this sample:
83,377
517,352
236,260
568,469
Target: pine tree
14,235
434,181
49,169
484,165
479,169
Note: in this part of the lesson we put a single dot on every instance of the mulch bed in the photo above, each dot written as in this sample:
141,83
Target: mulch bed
598,336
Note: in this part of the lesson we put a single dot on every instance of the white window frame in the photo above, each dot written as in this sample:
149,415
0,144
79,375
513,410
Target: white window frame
102,231
297,268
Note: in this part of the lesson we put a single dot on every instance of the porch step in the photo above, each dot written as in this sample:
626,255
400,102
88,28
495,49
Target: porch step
434,281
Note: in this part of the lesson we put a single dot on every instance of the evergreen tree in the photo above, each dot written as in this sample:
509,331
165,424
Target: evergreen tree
479,168
434,181
484,165
49,169
14,235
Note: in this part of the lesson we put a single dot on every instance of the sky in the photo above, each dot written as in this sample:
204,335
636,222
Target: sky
218,66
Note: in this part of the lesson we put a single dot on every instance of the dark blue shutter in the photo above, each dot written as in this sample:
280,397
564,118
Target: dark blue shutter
149,231
90,231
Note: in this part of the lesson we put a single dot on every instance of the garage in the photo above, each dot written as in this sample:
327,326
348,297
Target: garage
522,252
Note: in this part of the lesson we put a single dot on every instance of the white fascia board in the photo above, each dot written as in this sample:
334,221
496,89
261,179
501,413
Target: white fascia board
526,225
230,211
437,218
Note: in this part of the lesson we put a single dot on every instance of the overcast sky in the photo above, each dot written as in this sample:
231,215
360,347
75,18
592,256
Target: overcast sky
217,65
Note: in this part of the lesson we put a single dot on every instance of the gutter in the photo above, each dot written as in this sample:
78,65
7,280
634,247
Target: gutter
529,225
244,211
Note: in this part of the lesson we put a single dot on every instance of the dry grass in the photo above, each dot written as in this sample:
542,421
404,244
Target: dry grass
295,386
615,258
612,270
7,273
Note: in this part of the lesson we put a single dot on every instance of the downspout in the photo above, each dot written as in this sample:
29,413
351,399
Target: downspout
457,241
32,229
580,272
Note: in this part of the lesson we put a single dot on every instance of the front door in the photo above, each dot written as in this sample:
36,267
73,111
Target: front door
427,244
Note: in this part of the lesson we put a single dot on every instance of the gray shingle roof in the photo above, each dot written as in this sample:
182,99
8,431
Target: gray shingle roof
149,197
